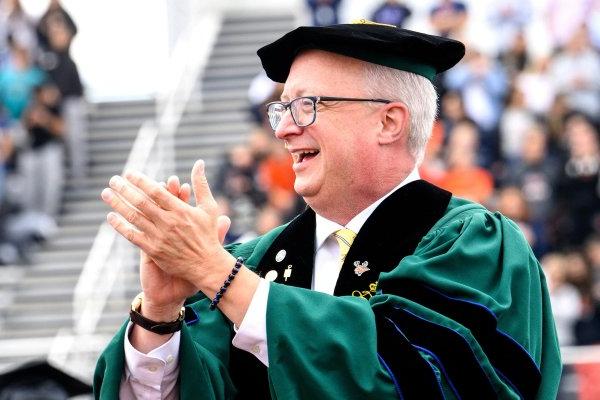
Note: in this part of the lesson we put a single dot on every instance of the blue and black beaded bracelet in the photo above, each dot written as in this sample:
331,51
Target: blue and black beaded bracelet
236,268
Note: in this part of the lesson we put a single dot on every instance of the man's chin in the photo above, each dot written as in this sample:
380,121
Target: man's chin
304,189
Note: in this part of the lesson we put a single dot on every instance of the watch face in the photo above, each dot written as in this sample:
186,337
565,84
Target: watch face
136,304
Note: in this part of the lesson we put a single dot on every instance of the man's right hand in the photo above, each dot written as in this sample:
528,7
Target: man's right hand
164,294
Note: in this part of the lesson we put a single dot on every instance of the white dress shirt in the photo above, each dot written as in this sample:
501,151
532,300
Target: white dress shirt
154,375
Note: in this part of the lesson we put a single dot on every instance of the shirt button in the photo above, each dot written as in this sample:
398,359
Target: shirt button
152,368
170,359
255,349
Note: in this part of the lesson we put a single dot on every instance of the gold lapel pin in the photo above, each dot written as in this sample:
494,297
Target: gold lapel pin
361,268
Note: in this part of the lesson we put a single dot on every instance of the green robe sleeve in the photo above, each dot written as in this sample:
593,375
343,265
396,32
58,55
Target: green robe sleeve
326,347
203,352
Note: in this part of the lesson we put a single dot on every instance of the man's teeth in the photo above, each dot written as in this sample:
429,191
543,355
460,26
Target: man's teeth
303,154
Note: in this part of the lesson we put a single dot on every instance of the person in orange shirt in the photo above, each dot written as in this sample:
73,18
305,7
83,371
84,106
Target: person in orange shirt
464,177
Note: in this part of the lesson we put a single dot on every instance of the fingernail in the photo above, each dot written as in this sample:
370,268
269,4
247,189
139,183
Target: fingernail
106,194
116,181
200,165
111,217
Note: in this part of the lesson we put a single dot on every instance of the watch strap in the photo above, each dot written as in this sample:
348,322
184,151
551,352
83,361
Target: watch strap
160,328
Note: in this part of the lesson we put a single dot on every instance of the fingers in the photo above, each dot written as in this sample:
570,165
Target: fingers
173,185
183,192
154,191
186,192
131,214
223,225
127,231
202,193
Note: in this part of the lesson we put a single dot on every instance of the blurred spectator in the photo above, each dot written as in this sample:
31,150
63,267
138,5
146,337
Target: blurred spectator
514,57
41,165
260,143
391,12
6,152
512,204
268,218
54,13
555,121
575,72
482,83
276,177
433,168
508,19
464,178
536,174
514,123
18,27
537,86
324,12
592,252
578,195
452,111
448,17
63,72
564,297
18,78
236,177
565,17
261,91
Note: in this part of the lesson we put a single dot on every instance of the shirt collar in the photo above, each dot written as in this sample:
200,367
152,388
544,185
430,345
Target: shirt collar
326,227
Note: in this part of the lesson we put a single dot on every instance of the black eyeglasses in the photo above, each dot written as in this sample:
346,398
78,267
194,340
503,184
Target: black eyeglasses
304,109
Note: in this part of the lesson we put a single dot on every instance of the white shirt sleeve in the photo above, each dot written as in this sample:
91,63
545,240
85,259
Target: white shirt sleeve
251,336
153,375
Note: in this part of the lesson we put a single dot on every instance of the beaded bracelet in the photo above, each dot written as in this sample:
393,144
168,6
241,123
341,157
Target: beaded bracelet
236,268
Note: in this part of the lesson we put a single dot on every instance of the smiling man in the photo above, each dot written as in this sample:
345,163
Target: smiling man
385,287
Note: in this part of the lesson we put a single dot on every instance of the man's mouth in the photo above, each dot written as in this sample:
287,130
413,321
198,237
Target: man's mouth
304,155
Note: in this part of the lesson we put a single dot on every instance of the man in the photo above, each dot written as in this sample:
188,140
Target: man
428,297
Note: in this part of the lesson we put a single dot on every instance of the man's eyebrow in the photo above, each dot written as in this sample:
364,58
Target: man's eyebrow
286,98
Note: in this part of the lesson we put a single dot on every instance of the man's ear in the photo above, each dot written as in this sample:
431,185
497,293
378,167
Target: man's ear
395,119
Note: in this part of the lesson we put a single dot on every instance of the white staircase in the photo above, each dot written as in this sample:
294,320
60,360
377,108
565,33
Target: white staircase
37,300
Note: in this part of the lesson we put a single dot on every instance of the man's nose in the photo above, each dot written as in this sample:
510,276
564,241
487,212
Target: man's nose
287,126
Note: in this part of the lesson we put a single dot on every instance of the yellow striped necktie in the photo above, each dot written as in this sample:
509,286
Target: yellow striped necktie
344,237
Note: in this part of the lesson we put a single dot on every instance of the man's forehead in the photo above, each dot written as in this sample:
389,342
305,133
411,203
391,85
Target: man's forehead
315,71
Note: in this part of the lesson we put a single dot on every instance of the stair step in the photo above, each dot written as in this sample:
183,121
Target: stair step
257,39
235,27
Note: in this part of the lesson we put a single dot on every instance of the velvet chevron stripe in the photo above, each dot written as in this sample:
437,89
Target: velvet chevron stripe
507,356
413,376
450,348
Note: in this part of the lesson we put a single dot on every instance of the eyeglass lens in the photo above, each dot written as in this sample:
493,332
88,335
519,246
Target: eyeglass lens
302,109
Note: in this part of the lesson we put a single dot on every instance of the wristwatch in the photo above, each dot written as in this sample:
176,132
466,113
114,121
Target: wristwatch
161,328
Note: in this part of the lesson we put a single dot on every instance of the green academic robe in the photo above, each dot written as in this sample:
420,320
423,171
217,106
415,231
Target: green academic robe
437,298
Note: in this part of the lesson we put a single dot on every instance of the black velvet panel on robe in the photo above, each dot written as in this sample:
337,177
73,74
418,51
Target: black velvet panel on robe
391,233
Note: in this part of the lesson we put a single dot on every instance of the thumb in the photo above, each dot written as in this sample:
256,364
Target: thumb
223,225
202,192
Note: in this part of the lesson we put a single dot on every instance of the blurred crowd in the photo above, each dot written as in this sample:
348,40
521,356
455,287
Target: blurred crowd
516,131
42,124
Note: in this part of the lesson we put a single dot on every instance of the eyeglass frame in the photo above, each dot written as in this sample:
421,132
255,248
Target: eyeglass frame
287,105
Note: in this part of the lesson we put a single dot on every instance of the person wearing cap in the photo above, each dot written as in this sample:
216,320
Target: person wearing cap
385,287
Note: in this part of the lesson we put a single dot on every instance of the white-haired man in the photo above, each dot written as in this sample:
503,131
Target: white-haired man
385,287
